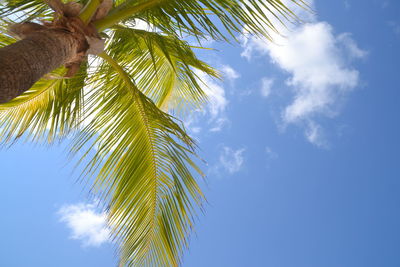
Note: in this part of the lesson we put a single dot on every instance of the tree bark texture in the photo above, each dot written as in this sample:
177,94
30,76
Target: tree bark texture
26,61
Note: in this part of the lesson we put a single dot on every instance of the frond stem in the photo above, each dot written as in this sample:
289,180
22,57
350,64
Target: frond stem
137,100
89,9
118,69
122,13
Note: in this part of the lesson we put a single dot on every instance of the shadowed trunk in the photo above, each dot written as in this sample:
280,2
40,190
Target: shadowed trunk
26,61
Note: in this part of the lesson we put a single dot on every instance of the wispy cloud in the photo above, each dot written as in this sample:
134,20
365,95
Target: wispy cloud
266,86
346,4
271,155
219,124
216,95
213,116
351,48
229,73
315,134
86,223
395,27
231,160
319,65
385,4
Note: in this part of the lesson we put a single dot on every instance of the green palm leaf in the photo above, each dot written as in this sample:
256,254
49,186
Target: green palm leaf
5,38
143,169
162,66
141,157
25,9
197,17
51,109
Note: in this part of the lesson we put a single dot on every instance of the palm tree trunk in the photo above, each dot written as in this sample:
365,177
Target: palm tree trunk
26,61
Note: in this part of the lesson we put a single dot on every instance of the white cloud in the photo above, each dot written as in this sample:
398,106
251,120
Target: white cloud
219,124
347,4
260,46
216,106
213,115
318,63
319,76
231,160
229,73
270,153
351,46
315,135
215,93
196,130
85,223
395,27
266,86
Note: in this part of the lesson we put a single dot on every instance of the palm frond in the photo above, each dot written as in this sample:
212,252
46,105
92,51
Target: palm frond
25,10
198,17
141,156
50,109
162,66
5,37
143,167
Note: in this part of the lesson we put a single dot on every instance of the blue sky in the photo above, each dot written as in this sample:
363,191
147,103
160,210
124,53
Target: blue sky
301,141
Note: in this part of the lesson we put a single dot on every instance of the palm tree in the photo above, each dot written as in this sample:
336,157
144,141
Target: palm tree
91,74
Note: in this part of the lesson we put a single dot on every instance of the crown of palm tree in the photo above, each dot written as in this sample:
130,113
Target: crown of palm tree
117,110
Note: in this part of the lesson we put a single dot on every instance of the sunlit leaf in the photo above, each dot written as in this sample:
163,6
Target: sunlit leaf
144,171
